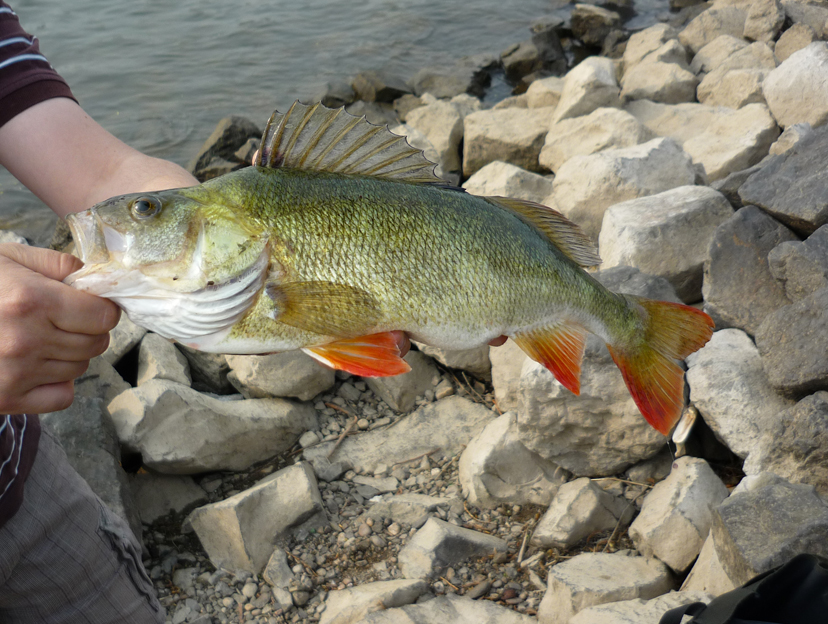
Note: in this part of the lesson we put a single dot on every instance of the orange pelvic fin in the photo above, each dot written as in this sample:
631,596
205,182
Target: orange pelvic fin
560,348
377,355
672,332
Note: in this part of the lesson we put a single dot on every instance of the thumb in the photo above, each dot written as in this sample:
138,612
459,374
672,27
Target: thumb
47,262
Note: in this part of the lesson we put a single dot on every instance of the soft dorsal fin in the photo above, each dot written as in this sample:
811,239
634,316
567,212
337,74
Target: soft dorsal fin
317,138
564,234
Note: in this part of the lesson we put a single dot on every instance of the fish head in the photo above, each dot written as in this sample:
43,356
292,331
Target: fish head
179,262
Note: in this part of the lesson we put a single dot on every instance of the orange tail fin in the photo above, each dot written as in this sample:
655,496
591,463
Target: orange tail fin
672,332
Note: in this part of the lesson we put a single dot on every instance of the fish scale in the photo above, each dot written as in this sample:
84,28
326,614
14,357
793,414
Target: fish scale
340,234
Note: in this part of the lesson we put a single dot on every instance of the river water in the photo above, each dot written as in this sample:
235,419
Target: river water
160,74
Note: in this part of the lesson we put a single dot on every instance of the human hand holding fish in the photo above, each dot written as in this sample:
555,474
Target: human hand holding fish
49,331
340,237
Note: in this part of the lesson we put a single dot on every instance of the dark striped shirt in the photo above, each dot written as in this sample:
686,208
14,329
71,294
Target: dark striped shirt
26,79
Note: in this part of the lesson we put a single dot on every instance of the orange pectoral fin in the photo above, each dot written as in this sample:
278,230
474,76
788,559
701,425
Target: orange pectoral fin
377,355
560,348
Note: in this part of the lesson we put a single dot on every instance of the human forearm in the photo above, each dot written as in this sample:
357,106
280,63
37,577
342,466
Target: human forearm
71,162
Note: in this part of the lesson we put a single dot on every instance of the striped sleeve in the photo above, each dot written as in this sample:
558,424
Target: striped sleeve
26,77
19,436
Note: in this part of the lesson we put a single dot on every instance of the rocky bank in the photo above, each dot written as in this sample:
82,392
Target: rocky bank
475,488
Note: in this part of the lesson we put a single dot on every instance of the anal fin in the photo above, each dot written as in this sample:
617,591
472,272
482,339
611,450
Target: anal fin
377,355
560,348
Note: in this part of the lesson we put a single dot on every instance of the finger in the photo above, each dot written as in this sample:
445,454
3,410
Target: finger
79,312
45,398
498,341
52,264
59,371
70,347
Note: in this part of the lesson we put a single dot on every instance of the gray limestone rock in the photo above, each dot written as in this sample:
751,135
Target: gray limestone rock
796,91
766,522
544,92
756,56
401,391
468,75
802,267
449,608
707,574
287,374
604,128
764,20
590,85
502,179
443,428
101,381
277,572
669,83
229,135
790,137
86,433
797,37
513,135
497,468
159,359
793,343
438,544
665,234
739,289
122,339
676,515
507,366
729,387
157,495
643,43
714,22
405,508
475,361
715,53
351,605
378,86
596,578
592,24
638,611
585,186
795,446
792,186
442,125
580,509
180,431
240,532
208,370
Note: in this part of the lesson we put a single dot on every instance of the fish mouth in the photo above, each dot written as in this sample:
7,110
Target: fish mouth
88,234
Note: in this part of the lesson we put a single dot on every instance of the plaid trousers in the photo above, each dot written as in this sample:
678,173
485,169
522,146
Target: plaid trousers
66,558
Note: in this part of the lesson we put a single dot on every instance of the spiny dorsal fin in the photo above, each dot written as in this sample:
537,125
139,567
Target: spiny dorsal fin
564,234
317,138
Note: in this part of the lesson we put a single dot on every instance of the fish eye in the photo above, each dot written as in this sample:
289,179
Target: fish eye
145,207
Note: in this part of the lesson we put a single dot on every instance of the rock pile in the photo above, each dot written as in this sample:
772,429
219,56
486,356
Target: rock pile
475,488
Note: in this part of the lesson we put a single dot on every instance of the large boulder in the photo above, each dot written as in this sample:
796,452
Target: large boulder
497,468
177,430
712,23
795,445
513,135
351,605
739,289
590,85
665,234
729,387
676,515
604,128
239,532
797,91
659,82
442,124
598,578
793,342
585,186
801,266
440,544
288,374
501,179
792,186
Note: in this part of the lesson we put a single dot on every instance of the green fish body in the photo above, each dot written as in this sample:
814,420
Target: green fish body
340,235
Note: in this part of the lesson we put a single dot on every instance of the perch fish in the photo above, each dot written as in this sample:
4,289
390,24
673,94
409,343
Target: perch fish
340,234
